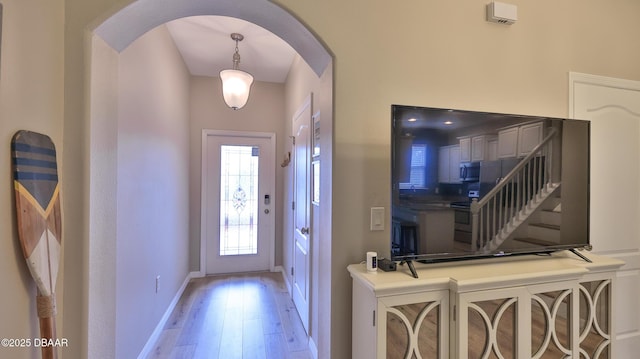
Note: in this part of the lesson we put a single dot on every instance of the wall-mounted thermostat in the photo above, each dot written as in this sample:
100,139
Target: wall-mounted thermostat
502,13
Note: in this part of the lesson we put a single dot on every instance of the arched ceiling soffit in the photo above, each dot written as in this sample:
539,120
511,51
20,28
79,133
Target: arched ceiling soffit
124,27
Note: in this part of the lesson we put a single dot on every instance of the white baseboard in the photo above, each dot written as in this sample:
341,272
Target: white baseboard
277,269
158,331
198,274
284,276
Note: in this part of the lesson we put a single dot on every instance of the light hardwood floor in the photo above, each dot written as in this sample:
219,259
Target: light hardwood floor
234,316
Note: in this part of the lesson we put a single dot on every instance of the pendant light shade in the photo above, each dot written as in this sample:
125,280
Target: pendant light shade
235,87
236,84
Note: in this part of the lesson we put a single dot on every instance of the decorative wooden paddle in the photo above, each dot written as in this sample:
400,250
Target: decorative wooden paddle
35,179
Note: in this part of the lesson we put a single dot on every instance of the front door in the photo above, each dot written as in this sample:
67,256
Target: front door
613,107
238,200
302,209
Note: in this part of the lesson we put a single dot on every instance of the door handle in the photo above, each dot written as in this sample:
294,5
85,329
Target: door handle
304,230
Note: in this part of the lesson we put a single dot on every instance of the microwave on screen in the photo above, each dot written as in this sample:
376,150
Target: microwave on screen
470,172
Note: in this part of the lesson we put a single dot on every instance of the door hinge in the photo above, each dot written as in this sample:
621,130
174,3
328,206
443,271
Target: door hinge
453,314
293,206
292,271
293,139
374,318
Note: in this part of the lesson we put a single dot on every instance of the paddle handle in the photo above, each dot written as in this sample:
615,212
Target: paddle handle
48,331
47,316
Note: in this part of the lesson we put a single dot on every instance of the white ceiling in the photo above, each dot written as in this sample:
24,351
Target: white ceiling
206,47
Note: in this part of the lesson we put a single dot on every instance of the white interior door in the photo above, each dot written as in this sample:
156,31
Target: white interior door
238,185
613,107
302,211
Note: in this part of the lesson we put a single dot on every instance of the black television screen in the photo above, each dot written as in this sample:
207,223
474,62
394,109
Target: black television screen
474,184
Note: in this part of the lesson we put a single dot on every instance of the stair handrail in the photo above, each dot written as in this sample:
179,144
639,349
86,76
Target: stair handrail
503,182
477,206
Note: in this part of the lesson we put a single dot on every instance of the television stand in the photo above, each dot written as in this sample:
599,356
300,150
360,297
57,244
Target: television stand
444,312
412,268
574,251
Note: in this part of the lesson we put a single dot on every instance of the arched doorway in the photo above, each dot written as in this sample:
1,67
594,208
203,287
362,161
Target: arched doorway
134,20
116,34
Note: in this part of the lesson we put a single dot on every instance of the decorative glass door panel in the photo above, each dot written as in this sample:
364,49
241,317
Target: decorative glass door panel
238,200
551,320
491,327
414,329
417,326
595,319
238,223
550,324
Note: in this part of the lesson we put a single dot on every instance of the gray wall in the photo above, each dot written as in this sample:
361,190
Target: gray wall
152,186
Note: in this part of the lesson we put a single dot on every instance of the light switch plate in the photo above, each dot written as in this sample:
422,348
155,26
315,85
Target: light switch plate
377,218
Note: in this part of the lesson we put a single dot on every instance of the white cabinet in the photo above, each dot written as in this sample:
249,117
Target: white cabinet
454,164
557,306
474,148
575,313
365,338
465,149
508,142
479,147
520,140
529,136
400,326
492,150
412,319
449,164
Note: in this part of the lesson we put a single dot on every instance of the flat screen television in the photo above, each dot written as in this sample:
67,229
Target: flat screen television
471,184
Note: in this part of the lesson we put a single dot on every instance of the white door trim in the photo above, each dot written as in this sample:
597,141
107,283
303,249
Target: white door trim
626,327
577,77
302,299
203,191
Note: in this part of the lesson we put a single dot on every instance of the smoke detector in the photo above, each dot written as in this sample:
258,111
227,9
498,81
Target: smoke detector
502,13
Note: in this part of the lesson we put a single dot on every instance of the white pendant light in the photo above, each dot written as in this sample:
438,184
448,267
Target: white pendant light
236,84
